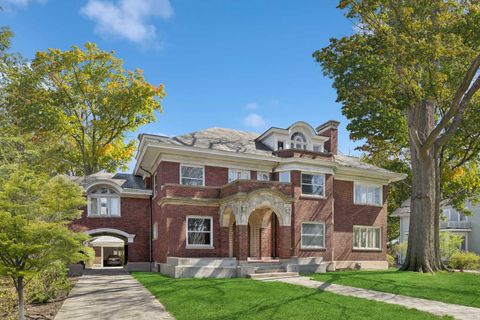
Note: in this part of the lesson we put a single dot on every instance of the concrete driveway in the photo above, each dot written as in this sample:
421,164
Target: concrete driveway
111,294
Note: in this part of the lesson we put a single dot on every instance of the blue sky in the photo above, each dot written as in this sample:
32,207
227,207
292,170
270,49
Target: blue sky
244,65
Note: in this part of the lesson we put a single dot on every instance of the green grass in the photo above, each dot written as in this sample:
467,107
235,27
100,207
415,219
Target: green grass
458,288
249,299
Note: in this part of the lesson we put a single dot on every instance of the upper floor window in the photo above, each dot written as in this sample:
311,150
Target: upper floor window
103,202
284,176
280,145
298,141
318,147
368,194
313,184
236,174
191,175
263,176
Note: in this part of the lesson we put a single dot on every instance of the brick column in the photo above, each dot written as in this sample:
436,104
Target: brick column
285,242
241,242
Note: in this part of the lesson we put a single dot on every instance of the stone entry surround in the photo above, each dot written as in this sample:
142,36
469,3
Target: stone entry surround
238,210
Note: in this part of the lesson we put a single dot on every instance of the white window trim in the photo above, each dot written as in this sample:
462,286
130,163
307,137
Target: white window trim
367,249
284,145
313,195
155,231
367,185
199,246
301,235
236,170
191,166
104,195
263,172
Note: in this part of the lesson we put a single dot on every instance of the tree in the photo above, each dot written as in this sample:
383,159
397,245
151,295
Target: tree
35,212
411,67
85,101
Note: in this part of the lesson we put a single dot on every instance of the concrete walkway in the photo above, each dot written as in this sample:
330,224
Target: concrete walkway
111,295
435,307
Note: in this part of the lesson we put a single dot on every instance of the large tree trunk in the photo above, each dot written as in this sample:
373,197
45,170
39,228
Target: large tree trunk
422,252
21,299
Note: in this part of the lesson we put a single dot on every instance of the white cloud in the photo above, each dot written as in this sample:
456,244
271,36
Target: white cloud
251,106
254,120
129,19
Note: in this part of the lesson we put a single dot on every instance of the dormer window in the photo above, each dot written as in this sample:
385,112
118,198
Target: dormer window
298,141
103,202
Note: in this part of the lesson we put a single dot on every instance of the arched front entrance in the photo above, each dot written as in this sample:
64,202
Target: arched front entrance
263,234
258,225
110,246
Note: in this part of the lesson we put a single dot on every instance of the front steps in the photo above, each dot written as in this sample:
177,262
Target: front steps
177,267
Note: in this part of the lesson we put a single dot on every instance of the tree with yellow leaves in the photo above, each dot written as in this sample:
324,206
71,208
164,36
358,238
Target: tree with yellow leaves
84,100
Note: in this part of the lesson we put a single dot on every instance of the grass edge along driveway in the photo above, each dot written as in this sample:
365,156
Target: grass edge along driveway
457,288
240,298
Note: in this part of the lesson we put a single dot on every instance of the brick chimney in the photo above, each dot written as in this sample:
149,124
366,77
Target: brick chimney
329,129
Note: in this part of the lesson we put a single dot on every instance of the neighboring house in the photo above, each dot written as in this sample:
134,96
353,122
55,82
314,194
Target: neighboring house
223,203
453,221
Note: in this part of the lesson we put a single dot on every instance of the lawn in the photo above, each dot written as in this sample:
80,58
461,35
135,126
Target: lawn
458,288
249,299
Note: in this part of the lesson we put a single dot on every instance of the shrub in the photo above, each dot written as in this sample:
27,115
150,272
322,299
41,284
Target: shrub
449,244
390,260
49,284
464,260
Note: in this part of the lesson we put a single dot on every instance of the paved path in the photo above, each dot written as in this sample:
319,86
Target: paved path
435,307
111,295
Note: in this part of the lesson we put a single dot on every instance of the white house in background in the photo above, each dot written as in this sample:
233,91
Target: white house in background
466,226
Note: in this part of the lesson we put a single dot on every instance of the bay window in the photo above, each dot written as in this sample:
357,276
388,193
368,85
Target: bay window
313,235
191,175
368,238
199,231
313,184
284,176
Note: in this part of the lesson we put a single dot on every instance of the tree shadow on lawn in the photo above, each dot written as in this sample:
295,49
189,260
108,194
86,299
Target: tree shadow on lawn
458,294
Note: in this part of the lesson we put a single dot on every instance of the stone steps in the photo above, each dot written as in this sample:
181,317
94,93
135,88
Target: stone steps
270,270
273,275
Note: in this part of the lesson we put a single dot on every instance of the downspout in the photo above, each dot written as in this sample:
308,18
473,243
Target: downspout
150,236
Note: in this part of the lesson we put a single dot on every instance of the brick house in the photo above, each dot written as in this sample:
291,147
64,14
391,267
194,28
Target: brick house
224,203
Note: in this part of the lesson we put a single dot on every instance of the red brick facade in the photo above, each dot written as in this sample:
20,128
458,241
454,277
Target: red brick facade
336,210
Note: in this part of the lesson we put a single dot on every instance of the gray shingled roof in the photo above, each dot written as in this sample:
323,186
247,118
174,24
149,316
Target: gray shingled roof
221,139
123,180
354,162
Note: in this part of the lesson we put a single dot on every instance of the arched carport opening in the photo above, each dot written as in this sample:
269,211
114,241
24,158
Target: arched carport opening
110,246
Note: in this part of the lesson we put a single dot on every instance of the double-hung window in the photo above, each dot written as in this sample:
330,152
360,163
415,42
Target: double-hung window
313,184
103,202
191,175
367,238
263,176
313,235
199,231
368,194
237,174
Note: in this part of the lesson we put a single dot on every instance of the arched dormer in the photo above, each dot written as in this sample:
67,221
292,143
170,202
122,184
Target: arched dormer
298,141
103,201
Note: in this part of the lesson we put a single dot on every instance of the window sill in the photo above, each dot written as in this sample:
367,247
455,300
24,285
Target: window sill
312,196
369,205
199,247
313,249
104,217
367,250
